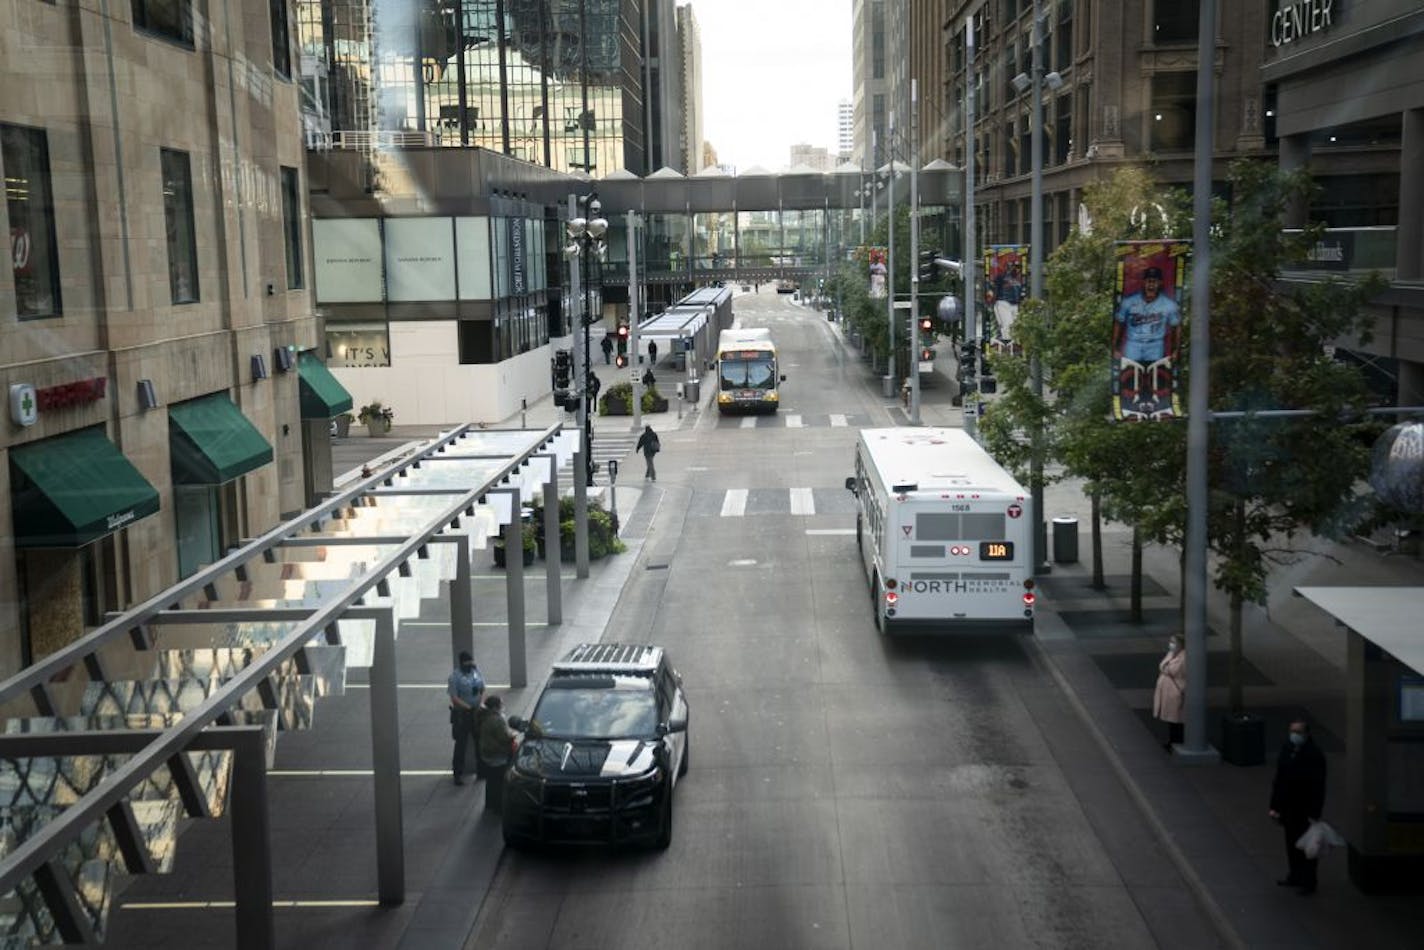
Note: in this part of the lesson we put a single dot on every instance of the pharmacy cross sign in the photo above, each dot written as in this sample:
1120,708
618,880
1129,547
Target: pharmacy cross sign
24,407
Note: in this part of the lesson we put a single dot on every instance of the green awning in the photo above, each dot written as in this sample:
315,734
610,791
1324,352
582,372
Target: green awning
322,396
212,441
73,489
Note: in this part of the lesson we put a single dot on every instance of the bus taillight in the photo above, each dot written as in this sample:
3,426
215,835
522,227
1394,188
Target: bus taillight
891,598
1029,598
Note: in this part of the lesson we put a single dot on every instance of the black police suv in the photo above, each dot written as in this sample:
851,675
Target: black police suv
603,751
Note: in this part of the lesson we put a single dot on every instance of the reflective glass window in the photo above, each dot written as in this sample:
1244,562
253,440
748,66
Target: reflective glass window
34,254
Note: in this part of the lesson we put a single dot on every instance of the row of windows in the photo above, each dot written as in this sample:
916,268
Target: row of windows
173,20
34,246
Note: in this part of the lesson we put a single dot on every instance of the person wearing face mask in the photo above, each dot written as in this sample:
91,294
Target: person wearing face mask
1169,700
465,688
1297,798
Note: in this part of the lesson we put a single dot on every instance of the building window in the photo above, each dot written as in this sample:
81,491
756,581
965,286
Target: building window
1063,36
281,39
292,226
178,216
172,19
1173,118
1011,69
1175,21
1010,149
34,253
1062,128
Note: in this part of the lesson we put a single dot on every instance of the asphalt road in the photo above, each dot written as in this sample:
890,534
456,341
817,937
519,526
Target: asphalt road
845,790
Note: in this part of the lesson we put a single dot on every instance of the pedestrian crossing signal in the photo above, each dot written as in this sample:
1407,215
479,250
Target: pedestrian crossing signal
621,361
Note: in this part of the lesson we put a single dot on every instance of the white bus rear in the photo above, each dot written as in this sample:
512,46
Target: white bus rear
944,533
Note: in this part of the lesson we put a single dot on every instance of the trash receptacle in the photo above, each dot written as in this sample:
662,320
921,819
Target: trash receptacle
887,387
1243,739
1065,539
691,390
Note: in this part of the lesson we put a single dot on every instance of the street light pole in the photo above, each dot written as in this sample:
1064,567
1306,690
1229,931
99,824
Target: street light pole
969,396
890,259
914,368
1035,258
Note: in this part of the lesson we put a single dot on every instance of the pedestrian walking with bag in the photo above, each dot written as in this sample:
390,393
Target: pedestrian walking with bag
649,445
1297,799
496,746
607,346
464,688
652,352
1169,700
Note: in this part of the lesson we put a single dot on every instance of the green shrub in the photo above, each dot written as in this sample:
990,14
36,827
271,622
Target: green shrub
602,541
617,400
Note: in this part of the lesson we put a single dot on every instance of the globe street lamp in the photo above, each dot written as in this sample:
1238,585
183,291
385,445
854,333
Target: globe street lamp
586,241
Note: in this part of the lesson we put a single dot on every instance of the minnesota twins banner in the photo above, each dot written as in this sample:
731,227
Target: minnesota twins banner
1004,287
1150,298
877,256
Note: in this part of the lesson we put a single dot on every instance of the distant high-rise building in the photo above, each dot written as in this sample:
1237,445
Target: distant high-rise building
845,130
665,101
691,39
811,156
709,154
869,76
559,83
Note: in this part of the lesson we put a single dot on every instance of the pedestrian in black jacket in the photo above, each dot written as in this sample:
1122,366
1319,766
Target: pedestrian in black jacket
649,444
1297,798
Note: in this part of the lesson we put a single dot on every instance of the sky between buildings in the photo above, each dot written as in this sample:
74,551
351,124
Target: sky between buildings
772,73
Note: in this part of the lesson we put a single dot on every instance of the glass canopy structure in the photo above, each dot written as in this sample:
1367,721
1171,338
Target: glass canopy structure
174,707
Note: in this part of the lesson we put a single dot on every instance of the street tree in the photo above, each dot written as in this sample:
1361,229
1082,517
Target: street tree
1270,477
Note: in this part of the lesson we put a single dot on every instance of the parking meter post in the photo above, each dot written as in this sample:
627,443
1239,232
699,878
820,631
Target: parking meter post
523,413
613,493
680,390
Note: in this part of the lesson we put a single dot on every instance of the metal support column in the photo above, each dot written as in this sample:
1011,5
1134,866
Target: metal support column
252,839
1196,749
462,597
969,395
1035,265
553,559
514,590
385,760
914,368
580,514
634,358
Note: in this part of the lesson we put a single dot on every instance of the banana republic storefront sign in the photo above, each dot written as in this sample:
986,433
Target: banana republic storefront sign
1295,21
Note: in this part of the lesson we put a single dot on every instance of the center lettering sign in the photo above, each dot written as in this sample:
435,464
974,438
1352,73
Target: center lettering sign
1297,20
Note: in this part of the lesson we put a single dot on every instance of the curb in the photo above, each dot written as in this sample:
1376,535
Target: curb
1200,891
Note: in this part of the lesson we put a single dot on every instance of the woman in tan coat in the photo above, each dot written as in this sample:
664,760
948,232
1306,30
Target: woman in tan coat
1170,698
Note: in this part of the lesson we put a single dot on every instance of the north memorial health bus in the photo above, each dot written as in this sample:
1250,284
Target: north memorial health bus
944,533
747,375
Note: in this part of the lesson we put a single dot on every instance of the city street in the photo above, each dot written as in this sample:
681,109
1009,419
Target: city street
845,790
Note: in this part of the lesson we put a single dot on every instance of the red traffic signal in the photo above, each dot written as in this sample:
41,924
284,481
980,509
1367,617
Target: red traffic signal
622,331
926,324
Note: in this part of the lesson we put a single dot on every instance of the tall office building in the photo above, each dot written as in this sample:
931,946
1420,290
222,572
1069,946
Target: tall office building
1125,92
665,101
869,76
559,83
845,131
691,39
815,157
156,324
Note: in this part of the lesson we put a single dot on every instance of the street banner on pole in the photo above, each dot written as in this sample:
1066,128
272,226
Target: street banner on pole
1149,300
1004,287
876,257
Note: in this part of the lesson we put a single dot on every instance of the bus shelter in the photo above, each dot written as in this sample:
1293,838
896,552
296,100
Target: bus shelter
173,708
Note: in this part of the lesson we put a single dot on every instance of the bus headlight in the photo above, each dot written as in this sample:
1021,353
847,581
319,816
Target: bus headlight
723,398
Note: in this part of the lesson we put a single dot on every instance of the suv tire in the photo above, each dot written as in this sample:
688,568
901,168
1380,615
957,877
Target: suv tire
664,838
686,758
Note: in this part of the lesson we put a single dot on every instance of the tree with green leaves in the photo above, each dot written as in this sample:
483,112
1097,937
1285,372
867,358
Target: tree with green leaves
1270,477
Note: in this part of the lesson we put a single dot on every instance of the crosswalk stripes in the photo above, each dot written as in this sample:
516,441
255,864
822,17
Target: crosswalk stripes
734,503
793,421
802,502
749,422
788,420
837,420
614,446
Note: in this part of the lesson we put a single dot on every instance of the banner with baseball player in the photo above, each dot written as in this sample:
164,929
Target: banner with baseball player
1005,287
1148,309
877,257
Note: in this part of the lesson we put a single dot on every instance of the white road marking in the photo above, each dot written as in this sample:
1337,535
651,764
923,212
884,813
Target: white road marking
801,502
734,503
830,531
837,420
748,422
793,422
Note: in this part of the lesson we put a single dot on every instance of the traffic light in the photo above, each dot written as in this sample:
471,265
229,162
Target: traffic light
623,341
621,360
563,368
969,358
929,270
926,325
926,355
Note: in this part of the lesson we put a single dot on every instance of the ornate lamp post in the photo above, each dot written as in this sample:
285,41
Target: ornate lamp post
585,241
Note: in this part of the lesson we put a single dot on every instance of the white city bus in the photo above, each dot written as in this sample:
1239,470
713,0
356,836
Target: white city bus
747,375
944,532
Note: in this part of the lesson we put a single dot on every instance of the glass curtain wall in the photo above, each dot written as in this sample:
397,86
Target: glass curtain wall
714,240
668,245
803,238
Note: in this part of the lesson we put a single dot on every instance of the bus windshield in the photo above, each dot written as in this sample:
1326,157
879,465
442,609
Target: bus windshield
756,373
